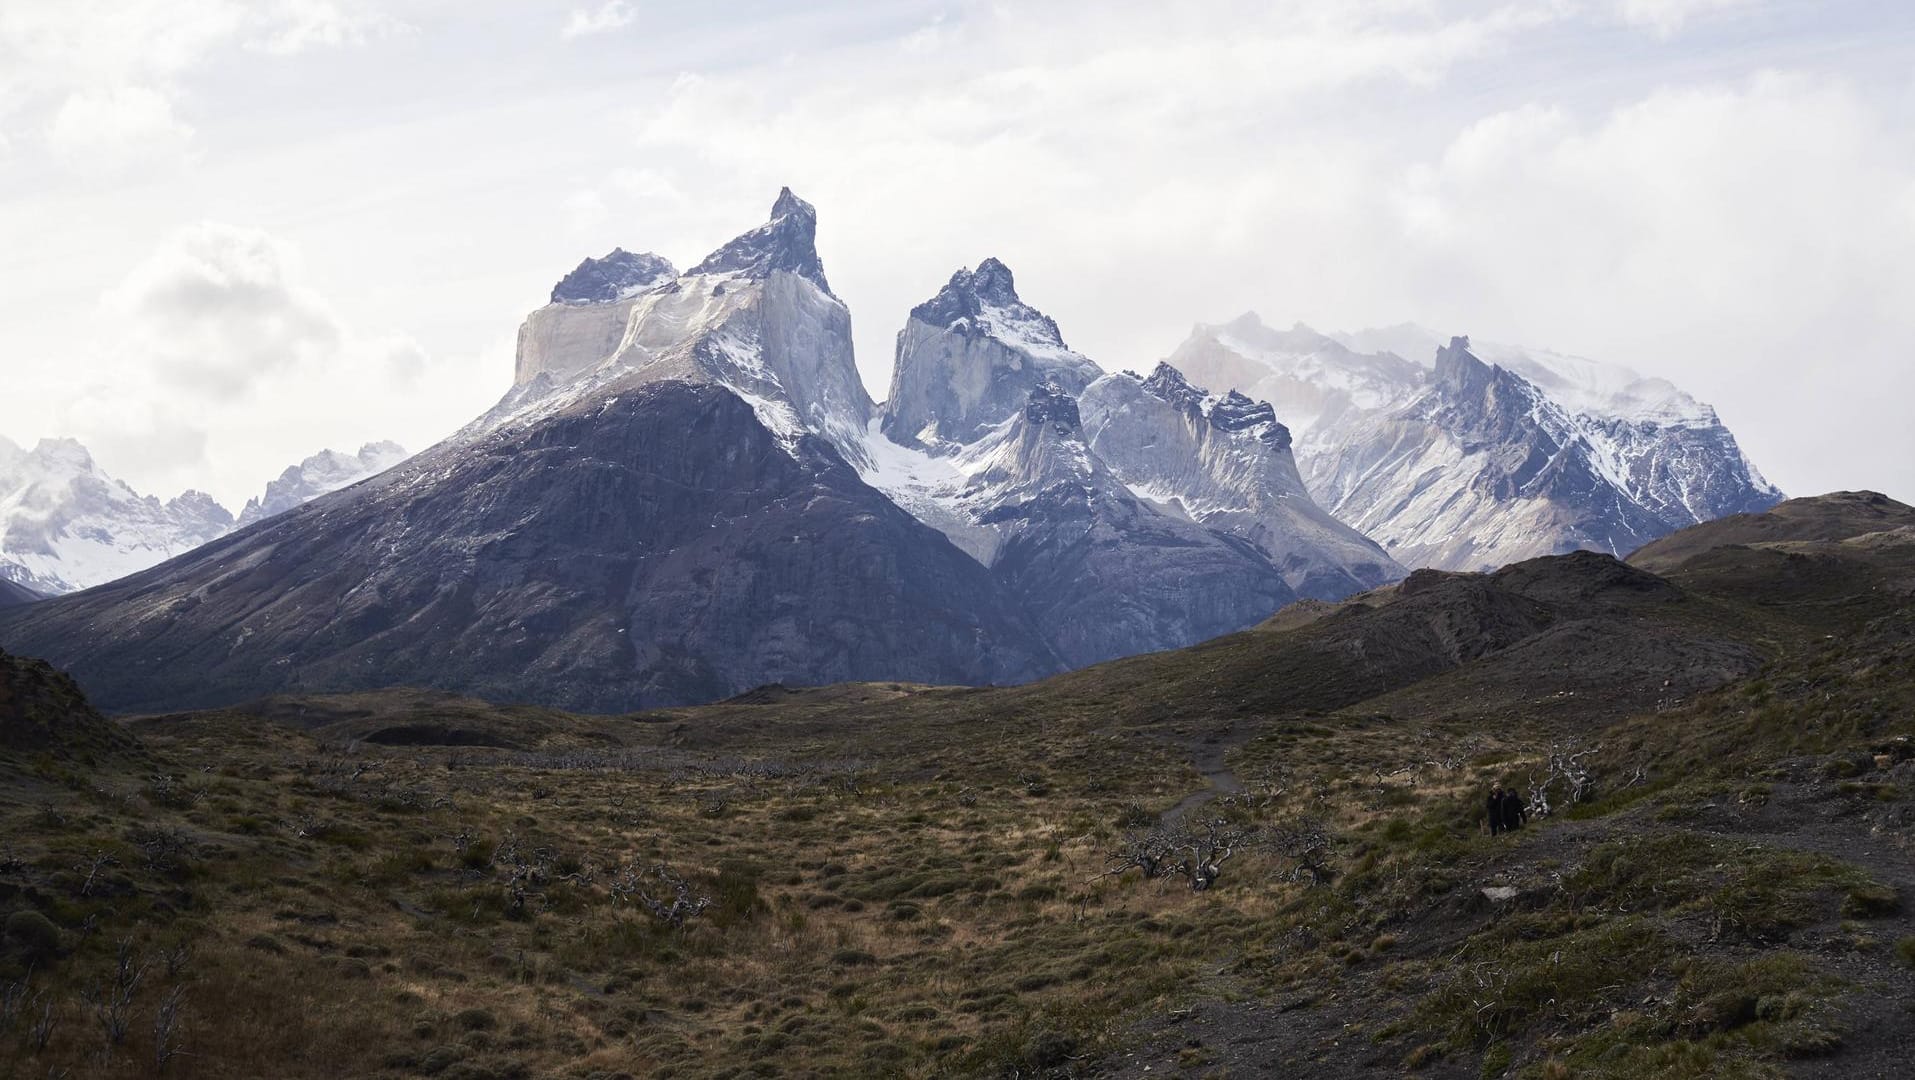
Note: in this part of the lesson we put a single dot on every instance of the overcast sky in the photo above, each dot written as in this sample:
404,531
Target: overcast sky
234,233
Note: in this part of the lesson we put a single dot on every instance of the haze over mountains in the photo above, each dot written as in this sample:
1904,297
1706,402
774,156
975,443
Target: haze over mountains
687,492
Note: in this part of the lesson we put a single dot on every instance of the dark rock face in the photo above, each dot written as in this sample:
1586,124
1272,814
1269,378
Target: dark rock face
12,593
1169,385
660,547
787,242
1049,404
601,281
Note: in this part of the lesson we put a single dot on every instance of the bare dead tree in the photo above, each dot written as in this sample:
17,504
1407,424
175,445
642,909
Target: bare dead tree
1150,851
1195,854
175,960
677,903
168,1028
1310,846
1567,769
13,1000
43,1024
1205,852
112,1001
660,892
99,861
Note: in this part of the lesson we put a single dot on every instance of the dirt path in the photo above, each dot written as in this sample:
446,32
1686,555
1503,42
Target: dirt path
1207,755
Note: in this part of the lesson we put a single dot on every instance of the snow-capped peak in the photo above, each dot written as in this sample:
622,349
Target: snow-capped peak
324,472
984,303
788,241
65,524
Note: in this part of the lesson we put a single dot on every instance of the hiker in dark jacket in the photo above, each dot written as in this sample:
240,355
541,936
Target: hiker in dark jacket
1515,811
1496,817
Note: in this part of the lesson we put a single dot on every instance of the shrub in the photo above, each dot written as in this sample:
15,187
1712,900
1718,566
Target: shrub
32,935
1870,901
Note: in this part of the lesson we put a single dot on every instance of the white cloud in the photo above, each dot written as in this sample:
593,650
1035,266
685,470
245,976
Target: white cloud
216,364
1666,18
1499,168
296,26
109,132
603,19
217,308
103,78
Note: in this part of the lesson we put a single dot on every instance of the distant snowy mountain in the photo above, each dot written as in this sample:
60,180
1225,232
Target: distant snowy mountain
686,492
1489,454
326,471
68,525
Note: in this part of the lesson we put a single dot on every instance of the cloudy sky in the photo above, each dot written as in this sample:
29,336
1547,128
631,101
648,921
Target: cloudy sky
236,232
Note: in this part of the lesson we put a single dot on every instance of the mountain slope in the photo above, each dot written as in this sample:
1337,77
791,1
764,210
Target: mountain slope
639,552
1839,516
1225,462
665,518
1479,470
1102,573
12,592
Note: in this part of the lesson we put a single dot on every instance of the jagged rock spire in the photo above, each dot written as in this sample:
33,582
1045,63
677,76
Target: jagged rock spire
971,293
788,241
1233,412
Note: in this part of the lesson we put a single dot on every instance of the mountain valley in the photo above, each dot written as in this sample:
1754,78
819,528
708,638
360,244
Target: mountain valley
1262,855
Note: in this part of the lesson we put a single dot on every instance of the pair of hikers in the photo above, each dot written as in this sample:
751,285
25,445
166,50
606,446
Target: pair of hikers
1507,810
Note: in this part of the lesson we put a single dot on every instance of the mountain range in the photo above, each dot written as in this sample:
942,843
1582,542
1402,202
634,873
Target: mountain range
687,492
1472,456
66,524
